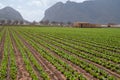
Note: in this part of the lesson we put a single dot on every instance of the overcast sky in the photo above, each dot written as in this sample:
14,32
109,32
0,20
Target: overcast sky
31,9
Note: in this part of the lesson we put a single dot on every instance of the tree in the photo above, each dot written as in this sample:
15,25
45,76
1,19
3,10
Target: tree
111,24
41,22
46,22
9,22
69,23
15,22
21,22
53,22
2,22
34,23
61,23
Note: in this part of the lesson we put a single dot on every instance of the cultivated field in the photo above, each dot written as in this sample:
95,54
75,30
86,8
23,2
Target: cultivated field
50,53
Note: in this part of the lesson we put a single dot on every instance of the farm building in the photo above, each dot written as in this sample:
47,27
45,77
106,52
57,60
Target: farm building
84,25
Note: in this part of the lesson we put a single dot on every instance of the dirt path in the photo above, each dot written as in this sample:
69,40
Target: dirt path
47,66
22,73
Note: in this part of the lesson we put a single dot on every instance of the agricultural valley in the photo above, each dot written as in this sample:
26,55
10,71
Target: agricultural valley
66,40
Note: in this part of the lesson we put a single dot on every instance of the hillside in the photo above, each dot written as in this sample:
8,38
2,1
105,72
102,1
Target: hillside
94,11
9,13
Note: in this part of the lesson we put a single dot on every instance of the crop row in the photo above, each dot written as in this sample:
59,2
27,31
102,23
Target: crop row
91,50
30,61
114,67
78,62
8,61
97,51
87,42
88,45
89,54
59,64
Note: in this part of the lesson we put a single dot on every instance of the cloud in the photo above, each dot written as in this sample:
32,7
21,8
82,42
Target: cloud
1,5
35,3
31,15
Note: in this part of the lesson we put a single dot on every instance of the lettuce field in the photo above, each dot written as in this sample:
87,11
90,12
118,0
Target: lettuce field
52,53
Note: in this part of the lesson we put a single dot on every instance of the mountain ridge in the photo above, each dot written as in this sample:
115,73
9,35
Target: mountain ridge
8,13
93,11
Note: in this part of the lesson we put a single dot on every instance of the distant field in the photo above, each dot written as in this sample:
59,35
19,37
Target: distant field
51,53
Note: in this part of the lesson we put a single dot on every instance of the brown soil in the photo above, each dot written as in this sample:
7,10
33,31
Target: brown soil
35,70
47,66
99,66
22,73
94,44
75,67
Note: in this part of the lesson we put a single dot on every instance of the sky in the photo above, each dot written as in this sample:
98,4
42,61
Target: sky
31,10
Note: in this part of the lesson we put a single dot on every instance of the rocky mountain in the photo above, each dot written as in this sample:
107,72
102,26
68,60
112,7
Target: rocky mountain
93,11
9,13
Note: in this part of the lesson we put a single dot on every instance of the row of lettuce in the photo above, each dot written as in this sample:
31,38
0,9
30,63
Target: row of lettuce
30,62
90,56
38,39
65,69
8,60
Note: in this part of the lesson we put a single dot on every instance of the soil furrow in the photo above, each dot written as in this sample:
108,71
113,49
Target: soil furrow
82,50
22,73
35,69
77,49
75,67
99,66
112,49
87,43
48,67
88,61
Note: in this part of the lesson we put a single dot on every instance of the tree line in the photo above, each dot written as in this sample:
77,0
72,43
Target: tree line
23,22
11,22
